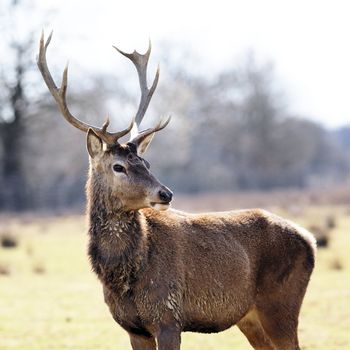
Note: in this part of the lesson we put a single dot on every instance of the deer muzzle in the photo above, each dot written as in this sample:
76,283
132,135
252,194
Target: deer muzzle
165,196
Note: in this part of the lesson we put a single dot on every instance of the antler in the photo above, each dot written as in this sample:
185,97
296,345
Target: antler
140,62
59,95
145,133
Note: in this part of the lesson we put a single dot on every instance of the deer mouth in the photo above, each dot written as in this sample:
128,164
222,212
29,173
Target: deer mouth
160,205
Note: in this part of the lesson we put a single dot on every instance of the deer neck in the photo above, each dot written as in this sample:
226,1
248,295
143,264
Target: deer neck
118,242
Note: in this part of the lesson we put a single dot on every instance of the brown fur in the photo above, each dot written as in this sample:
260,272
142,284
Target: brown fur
164,272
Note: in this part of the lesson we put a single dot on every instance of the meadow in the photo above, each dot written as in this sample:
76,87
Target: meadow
50,299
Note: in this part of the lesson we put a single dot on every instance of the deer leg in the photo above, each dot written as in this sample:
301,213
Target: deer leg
251,327
141,342
278,308
281,325
169,338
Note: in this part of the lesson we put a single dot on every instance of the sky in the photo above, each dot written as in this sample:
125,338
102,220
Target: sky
308,41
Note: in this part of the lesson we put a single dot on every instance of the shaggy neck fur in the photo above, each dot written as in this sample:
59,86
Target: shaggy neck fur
118,246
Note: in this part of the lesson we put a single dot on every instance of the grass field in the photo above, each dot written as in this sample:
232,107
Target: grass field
49,298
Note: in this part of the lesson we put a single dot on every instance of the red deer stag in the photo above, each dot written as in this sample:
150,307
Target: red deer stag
165,271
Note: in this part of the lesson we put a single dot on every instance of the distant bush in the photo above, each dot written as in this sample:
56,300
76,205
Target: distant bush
321,234
336,264
330,222
8,240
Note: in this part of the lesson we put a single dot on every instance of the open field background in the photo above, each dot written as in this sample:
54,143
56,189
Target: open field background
49,298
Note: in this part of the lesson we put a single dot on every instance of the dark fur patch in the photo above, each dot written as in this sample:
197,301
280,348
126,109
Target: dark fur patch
205,328
310,256
288,251
138,331
132,147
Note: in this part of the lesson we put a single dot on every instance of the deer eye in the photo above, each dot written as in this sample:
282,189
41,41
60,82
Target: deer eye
118,168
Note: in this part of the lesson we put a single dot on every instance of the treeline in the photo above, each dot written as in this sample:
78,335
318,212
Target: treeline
232,131
235,132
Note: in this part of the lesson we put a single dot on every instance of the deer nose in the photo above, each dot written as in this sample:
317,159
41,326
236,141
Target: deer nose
165,195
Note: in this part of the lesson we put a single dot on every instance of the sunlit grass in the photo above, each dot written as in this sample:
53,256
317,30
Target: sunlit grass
49,299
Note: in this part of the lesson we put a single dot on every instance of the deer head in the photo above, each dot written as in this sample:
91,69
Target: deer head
118,167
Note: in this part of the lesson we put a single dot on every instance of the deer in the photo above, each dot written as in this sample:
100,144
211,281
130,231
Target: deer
164,271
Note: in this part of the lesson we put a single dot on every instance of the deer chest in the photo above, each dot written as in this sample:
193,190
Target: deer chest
125,312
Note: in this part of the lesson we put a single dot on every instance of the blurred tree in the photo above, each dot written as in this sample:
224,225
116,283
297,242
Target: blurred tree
343,136
259,107
31,128
58,161
234,131
14,190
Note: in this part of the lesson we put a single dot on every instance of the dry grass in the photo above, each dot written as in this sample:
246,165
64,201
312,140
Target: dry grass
293,201
4,269
51,300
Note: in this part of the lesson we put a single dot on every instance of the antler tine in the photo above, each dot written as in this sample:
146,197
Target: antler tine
59,94
140,62
145,133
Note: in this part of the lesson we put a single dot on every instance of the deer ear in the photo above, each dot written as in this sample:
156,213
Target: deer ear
94,144
144,143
